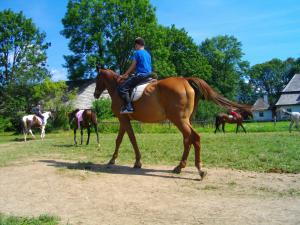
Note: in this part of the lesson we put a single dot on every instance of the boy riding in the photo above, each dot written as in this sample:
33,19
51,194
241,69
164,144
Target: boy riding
38,112
141,64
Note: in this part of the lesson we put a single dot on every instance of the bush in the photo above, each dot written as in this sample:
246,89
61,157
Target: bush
207,111
4,124
102,107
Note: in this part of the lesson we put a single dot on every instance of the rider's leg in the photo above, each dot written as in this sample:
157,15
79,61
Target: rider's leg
124,88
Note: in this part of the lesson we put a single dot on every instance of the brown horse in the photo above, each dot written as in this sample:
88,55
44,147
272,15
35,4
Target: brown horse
223,118
88,118
174,98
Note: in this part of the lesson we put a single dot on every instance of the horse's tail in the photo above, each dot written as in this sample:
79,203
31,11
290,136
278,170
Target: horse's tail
203,90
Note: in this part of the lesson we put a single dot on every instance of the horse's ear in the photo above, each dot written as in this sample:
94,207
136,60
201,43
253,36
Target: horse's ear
98,67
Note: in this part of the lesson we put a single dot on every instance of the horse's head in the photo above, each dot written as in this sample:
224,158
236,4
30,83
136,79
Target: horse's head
72,116
246,113
106,79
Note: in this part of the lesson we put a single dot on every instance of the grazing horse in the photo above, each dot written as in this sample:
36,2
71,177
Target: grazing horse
173,98
223,118
30,121
295,118
84,119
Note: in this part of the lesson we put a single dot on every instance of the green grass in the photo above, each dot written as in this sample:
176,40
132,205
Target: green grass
261,151
41,220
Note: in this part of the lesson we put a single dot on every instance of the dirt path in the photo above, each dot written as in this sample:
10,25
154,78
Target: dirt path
93,194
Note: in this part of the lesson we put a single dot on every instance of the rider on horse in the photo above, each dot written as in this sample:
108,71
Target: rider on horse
38,112
141,63
234,114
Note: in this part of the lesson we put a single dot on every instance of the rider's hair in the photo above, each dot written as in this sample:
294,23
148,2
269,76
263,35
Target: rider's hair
139,41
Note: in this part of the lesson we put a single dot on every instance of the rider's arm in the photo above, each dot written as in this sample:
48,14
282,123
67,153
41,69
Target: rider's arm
130,69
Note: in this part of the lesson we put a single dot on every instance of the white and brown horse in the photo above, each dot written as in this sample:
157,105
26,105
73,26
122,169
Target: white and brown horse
30,121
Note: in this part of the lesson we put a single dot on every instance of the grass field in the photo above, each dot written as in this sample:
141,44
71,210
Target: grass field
41,220
256,151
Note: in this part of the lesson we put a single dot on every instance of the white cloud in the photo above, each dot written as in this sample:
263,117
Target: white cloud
58,74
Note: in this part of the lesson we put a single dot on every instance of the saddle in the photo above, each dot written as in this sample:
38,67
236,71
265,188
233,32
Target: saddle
137,92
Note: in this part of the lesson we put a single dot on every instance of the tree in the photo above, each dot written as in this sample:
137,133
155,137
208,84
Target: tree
104,31
184,54
22,50
224,54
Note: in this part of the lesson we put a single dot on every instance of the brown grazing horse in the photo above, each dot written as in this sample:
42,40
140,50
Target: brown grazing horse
223,118
88,118
174,98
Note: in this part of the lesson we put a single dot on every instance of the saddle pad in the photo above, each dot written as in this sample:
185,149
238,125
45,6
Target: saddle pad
230,116
137,92
79,117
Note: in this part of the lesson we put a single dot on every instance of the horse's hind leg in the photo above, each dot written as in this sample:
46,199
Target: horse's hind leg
118,143
291,126
81,135
197,147
223,127
186,131
25,135
237,128
96,130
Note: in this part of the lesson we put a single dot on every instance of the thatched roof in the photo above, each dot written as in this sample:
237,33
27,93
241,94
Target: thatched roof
260,105
85,92
291,93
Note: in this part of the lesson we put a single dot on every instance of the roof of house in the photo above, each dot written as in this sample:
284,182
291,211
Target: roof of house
293,85
289,99
291,93
260,105
85,92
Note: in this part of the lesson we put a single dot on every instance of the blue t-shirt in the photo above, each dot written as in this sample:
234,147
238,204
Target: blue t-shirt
143,62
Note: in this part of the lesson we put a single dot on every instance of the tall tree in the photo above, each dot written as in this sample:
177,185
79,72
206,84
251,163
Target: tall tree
185,55
103,31
224,54
22,50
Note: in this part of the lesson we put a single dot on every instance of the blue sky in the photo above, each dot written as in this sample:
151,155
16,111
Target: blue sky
266,28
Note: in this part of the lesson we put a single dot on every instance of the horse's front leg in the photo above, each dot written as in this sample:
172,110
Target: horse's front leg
132,139
43,133
89,133
75,142
30,131
237,128
243,128
118,143
81,135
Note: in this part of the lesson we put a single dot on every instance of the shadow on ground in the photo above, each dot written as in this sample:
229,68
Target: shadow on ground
115,169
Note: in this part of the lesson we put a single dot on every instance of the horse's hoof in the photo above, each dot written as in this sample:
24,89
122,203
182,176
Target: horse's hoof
202,174
177,170
112,162
137,165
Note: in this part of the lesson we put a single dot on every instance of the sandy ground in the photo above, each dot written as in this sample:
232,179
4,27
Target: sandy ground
94,194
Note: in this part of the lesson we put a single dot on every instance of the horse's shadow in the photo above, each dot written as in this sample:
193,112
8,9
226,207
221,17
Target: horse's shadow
115,169
64,145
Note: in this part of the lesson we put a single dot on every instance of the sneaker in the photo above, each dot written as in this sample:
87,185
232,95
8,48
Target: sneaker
126,110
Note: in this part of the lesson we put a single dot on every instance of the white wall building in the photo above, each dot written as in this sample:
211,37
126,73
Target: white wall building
262,110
